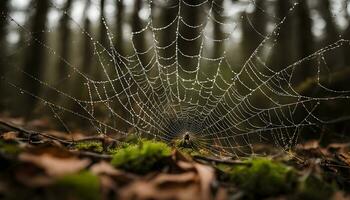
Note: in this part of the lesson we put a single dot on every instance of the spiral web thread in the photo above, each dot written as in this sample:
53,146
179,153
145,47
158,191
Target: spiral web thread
164,90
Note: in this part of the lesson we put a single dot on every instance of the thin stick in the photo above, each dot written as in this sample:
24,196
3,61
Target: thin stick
63,141
92,154
215,160
30,132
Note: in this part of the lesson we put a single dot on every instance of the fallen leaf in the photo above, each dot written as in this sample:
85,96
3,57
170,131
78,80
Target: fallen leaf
207,177
164,186
55,166
10,135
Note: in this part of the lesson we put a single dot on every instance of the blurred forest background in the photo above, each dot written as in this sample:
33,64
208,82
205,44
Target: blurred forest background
25,25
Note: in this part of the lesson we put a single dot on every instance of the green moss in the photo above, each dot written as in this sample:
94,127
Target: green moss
189,147
94,146
9,148
131,138
261,177
141,158
312,187
83,185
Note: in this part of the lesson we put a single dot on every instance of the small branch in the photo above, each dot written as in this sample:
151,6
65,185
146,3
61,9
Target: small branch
63,141
92,154
215,160
30,132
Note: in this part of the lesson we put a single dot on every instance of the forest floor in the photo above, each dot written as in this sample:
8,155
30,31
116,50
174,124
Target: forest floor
48,165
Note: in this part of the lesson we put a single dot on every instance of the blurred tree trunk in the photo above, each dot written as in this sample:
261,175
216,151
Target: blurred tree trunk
86,63
119,46
253,29
331,34
217,30
4,9
190,46
103,29
168,35
35,55
282,52
65,34
119,27
346,36
305,44
136,25
87,50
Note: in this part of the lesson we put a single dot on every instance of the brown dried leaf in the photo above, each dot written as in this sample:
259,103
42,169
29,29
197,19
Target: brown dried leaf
164,186
10,136
207,177
55,166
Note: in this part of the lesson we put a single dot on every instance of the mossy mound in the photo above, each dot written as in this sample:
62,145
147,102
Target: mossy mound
94,146
260,177
142,157
9,148
314,188
83,185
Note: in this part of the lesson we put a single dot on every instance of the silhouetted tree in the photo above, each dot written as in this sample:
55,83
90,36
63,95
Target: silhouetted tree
306,41
253,29
103,30
65,35
4,9
331,33
87,50
346,35
136,25
168,35
217,29
86,62
282,52
188,45
119,26
35,55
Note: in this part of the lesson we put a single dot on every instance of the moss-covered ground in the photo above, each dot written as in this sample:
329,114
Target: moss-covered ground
58,172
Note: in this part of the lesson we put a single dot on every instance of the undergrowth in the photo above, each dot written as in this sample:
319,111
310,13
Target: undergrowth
141,158
262,177
83,185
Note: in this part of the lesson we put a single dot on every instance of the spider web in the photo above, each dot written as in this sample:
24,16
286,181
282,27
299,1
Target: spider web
176,84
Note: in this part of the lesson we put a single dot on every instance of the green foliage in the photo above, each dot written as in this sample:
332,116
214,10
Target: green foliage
190,147
131,138
90,146
314,188
261,177
9,148
142,157
83,185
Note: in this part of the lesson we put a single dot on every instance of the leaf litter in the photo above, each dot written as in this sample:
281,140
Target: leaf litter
49,165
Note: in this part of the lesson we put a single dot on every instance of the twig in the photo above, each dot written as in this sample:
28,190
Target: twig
30,132
215,160
63,141
92,154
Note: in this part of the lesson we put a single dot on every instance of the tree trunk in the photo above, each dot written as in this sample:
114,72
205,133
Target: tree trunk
305,44
65,35
80,89
4,9
253,29
103,29
35,56
136,25
119,27
346,36
331,34
87,50
218,34
282,52
191,16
